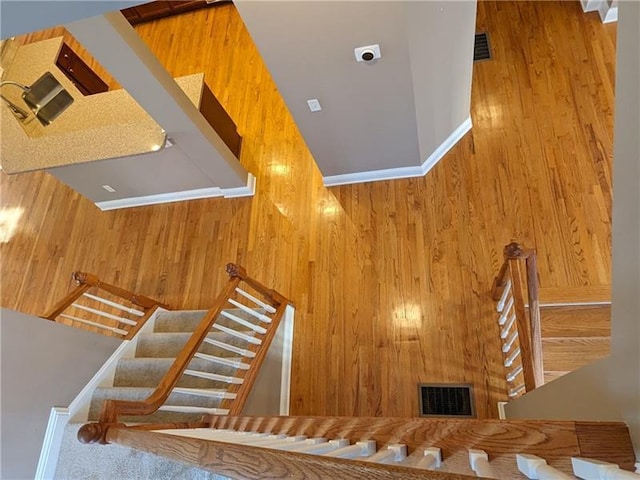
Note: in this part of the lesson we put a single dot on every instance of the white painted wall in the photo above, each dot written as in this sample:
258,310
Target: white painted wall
389,115
43,364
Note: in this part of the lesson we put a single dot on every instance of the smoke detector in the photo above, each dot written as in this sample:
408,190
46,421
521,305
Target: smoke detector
367,54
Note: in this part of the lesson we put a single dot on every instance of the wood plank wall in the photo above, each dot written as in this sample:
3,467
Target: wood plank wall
391,279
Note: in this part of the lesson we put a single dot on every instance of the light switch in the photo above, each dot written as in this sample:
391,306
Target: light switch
314,105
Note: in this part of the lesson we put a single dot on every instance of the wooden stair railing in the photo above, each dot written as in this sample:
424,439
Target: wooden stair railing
515,290
239,386
107,307
376,447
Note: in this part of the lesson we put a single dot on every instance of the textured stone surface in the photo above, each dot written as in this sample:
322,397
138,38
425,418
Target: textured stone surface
95,127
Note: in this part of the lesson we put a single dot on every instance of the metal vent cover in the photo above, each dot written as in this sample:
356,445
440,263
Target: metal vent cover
446,400
482,47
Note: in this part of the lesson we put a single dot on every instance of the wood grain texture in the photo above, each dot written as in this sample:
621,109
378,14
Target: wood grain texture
244,462
589,321
556,441
607,442
570,353
391,280
532,370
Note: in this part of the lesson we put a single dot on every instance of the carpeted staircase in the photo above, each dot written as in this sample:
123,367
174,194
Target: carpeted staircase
199,391
204,382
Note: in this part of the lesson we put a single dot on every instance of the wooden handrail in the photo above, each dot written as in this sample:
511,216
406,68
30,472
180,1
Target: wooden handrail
250,462
63,304
237,271
501,440
113,409
86,281
529,328
140,300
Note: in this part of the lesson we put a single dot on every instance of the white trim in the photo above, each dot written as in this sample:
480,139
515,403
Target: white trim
502,414
590,5
48,461
211,192
573,304
402,172
78,409
608,12
287,352
247,191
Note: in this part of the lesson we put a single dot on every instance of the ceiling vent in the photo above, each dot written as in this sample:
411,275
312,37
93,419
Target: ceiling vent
482,47
446,400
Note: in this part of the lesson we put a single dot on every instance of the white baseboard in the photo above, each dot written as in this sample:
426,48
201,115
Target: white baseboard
245,191
78,409
402,172
502,415
287,351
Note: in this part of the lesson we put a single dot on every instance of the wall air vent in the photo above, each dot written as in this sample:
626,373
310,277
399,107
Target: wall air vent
482,48
446,400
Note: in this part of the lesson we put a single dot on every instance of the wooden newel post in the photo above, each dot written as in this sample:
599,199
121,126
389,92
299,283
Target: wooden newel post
529,330
96,432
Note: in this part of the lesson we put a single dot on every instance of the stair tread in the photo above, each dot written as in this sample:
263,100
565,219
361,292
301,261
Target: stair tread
188,320
571,294
141,393
148,372
163,344
576,321
570,353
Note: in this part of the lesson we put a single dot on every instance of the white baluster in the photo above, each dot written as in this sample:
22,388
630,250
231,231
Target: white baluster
267,307
119,331
503,297
431,460
231,348
253,313
589,469
214,376
360,449
119,306
510,341
505,331
275,442
479,461
252,441
292,446
503,316
244,323
223,361
393,453
515,391
104,314
512,357
309,442
535,467
323,448
511,376
237,334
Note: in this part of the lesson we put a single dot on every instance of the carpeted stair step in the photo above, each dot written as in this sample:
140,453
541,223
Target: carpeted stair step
207,398
170,344
148,372
188,320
